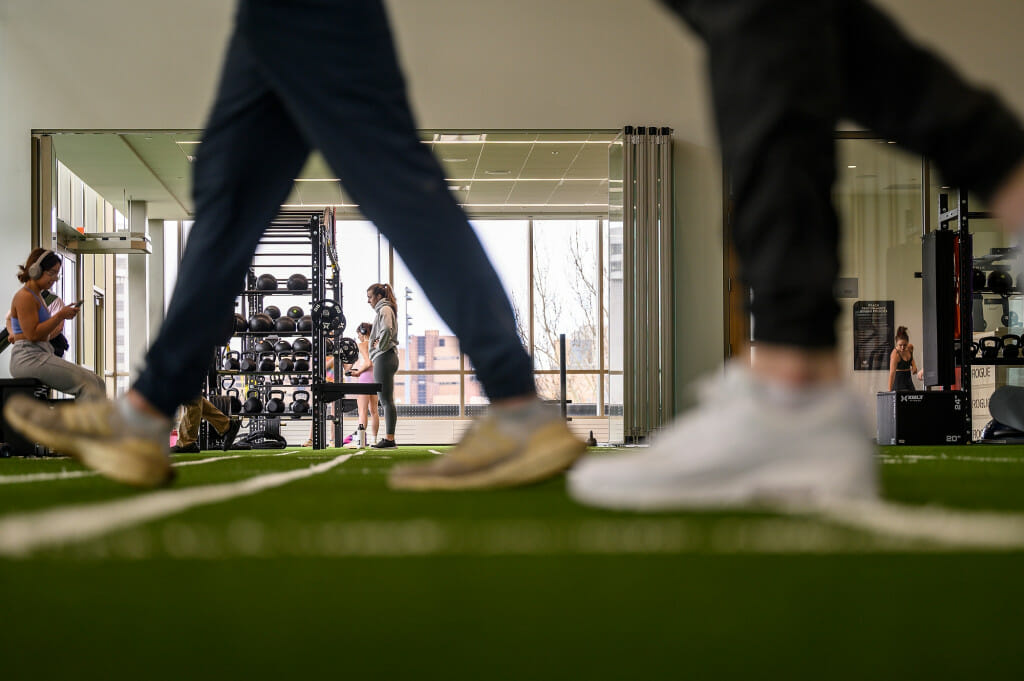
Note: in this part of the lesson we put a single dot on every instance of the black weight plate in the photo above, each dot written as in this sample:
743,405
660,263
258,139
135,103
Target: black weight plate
348,351
328,316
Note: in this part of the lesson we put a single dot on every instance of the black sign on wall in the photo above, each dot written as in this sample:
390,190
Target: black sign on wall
874,325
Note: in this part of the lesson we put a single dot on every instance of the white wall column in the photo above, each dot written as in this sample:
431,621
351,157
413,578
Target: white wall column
138,293
156,277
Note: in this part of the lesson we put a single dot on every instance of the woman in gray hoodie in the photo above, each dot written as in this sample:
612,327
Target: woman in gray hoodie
384,354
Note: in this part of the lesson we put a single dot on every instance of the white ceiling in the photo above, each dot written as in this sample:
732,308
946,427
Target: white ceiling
489,172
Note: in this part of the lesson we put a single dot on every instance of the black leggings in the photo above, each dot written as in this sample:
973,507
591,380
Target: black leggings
782,75
384,369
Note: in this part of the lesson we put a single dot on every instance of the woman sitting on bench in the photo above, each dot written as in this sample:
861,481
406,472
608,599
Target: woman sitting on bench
32,327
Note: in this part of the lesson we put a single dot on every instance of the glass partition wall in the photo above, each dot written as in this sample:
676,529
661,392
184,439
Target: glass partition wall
555,272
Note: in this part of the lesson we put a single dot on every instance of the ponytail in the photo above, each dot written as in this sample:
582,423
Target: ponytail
901,334
386,292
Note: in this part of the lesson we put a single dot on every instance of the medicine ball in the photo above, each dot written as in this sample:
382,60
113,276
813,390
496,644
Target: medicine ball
304,325
296,312
979,280
1000,282
272,311
264,346
284,325
240,323
282,346
298,282
266,282
302,345
261,323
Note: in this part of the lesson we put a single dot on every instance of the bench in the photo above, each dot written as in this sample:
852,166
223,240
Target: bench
11,442
332,392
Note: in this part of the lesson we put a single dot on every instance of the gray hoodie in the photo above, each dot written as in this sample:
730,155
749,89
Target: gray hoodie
384,331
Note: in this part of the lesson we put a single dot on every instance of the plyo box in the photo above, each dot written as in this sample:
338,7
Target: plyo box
922,417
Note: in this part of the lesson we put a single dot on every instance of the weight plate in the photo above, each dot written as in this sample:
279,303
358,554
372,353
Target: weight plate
328,316
348,351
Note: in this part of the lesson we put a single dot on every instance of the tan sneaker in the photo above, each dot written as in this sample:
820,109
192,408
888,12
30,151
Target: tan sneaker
88,432
487,458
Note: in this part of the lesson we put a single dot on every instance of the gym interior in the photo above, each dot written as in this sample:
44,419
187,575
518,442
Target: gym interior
578,138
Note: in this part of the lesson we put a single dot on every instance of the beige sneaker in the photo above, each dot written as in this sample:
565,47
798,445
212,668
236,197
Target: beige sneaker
487,458
87,431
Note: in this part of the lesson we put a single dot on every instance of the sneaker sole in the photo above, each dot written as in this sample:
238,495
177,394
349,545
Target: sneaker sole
544,462
138,468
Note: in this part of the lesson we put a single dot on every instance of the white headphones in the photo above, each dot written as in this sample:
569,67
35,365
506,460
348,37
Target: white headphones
35,270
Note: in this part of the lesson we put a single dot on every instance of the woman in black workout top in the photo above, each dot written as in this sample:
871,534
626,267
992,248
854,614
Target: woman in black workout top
901,362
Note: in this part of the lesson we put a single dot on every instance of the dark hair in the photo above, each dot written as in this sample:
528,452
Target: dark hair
384,291
364,329
48,262
901,334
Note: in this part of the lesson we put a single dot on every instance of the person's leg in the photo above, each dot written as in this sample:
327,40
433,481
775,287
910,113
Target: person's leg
188,426
787,429
363,125
363,403
374,424
31,360
250,154
384,368
214,416
906,93
238,187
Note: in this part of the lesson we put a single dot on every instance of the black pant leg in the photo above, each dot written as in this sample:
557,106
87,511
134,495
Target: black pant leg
346,91
775,84
250,154
906,93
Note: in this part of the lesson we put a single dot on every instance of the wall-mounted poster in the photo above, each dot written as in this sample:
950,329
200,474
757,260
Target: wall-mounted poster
874,325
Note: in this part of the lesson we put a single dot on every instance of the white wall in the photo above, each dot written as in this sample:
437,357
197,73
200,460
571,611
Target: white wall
119,64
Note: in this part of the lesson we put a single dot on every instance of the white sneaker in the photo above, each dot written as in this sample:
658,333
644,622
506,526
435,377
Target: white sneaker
742,446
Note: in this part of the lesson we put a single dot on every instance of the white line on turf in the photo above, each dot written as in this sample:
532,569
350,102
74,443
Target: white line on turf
21,534
43,477
70,475
434,451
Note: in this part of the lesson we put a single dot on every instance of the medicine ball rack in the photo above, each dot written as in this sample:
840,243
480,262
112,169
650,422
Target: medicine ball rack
295,242
960,338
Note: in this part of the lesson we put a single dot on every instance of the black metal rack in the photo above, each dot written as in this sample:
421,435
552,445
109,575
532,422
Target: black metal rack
960,216
295,242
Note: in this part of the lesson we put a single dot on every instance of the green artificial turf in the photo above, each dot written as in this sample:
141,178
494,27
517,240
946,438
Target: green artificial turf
334,575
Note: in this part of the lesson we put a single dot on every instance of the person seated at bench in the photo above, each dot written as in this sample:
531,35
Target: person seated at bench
192,413
33,325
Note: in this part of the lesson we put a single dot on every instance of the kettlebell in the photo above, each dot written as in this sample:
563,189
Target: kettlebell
1011,346
978,280
267,363
236,404
285,363
974,349
301,361
275,405
990,347
282,346
252,405
302,345
248,363
231,360
301,404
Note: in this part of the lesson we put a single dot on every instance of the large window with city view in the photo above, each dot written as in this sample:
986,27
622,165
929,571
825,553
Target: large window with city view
563,277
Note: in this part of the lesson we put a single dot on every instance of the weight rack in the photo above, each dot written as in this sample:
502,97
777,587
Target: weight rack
295,242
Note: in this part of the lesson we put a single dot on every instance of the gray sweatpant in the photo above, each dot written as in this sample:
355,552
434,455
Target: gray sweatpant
384,369
36,360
